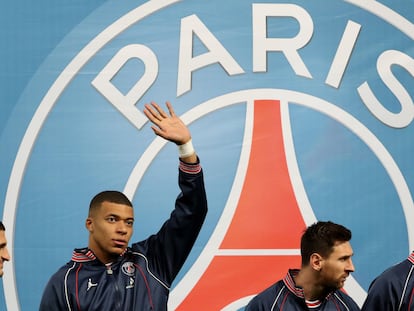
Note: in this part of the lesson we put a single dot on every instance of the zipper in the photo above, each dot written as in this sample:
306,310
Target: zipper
117,293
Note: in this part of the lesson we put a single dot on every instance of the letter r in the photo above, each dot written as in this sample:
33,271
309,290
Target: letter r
289,47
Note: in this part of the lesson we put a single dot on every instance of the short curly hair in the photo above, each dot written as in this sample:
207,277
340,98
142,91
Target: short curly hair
112,196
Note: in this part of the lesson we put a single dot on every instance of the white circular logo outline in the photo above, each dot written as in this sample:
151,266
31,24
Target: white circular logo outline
70,72
285,96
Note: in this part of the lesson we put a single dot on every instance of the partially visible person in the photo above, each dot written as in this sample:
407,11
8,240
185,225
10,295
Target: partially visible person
4,252
326,263
110,275
393,289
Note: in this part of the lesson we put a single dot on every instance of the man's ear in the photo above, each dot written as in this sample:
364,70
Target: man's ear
316,261
89,224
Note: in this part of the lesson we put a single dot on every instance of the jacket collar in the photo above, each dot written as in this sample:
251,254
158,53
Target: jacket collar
296,290
83,255
86,255
290,283
411,257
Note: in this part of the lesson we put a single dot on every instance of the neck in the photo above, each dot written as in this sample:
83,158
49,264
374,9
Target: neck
307,279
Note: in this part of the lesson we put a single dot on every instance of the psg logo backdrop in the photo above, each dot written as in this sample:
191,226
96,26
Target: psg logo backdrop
299,110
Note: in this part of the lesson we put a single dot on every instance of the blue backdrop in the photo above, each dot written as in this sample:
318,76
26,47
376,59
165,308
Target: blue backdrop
342,71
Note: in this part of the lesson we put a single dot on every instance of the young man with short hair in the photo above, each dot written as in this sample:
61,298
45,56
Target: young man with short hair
108,275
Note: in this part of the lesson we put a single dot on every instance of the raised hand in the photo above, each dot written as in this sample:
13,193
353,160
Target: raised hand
167,126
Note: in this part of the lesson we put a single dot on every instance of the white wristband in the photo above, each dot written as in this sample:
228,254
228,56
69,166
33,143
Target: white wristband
186,149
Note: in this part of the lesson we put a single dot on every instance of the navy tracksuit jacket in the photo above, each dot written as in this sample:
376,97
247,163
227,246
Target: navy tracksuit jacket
141,278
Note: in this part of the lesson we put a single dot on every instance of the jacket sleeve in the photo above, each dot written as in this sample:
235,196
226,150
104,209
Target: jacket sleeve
264,300
375,302
52,298
382,296
390,289
348,302
255,305
168,249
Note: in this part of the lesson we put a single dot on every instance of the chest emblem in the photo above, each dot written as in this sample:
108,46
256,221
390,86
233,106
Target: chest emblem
90,285
128,268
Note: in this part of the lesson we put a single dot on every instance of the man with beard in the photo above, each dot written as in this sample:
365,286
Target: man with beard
4,252
326,263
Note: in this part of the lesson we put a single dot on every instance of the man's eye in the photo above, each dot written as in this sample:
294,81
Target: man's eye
130,223
111,219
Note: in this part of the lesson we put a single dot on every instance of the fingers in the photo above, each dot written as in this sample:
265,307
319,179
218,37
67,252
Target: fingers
151,114
160,112
154,112
170,109
167,125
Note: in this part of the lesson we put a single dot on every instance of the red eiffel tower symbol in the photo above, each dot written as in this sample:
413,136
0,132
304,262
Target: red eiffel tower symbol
266,224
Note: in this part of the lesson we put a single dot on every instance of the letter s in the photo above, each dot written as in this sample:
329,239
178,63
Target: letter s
384,63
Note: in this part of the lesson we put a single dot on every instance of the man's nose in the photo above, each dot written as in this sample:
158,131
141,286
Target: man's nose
350,266
122,227
5,254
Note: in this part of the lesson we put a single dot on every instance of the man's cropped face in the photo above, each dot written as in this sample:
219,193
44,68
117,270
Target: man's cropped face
4,252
